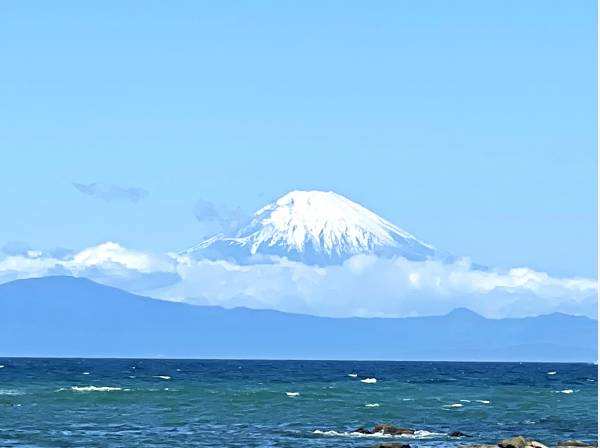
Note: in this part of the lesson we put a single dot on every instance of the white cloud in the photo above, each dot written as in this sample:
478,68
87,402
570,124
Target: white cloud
362,286
107,263
371,286
113,253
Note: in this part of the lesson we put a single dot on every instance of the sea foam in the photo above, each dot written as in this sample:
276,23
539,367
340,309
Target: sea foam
10,392
369,380
417,435
94,388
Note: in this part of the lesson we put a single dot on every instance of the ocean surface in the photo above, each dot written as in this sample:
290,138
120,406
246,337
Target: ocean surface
186,403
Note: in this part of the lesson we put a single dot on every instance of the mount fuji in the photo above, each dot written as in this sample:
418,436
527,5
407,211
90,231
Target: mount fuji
314,227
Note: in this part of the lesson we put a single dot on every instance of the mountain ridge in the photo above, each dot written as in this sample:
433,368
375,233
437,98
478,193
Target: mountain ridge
67,316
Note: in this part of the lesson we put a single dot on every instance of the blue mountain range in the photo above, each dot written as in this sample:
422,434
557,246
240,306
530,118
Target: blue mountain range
75,317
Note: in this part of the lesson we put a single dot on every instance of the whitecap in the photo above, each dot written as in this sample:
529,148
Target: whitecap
417,435
353,375
408,399
94,388
163,377
423,434
349,434
465,401
292,394
332,433
483,401
10,392
85,373
566,391
553,372
453,405
369,380
372,405
1,366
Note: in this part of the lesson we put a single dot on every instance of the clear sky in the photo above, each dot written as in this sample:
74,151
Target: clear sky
470,124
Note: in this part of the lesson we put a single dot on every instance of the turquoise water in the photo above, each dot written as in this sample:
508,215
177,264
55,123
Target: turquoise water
177,403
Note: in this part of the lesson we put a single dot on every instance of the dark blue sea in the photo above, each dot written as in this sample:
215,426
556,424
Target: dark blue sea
186,403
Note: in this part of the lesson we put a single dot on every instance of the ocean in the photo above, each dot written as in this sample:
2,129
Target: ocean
230,403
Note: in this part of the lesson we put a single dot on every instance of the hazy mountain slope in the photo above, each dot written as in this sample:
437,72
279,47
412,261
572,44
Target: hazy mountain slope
66,316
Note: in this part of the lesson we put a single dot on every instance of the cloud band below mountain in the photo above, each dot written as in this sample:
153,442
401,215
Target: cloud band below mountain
362,286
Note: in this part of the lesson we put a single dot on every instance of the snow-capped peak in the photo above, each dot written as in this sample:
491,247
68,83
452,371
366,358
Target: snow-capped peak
328,221
318,227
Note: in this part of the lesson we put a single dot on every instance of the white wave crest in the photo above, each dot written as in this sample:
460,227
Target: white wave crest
293,394
11,392
372,405
567,391
94,388
352,375
421,434
483,401
552,372
163,377
350,434
453,405
369,380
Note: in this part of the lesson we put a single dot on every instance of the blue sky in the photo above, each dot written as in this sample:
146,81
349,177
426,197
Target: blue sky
470,124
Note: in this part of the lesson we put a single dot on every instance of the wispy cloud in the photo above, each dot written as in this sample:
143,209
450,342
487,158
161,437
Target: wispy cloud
362,286
227,219
108,192
15,248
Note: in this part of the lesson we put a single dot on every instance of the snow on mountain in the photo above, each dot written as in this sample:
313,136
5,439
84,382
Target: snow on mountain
315,227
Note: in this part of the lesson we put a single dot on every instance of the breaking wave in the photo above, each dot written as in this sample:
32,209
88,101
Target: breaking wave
93,389
11,392
422,434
